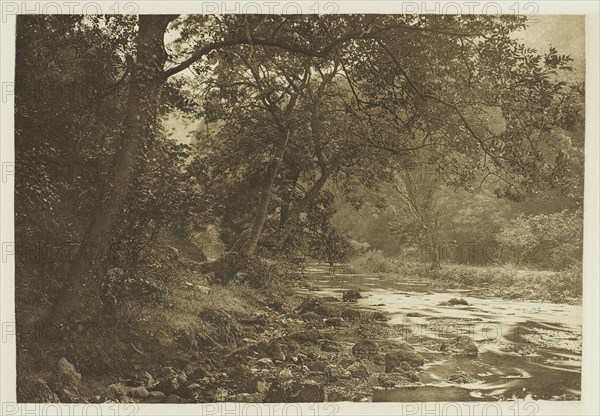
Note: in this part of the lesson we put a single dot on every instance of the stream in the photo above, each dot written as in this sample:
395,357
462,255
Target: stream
527,349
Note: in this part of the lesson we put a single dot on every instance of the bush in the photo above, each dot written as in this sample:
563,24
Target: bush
258,272
373,261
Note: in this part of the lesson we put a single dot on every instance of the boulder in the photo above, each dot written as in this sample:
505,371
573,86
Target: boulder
335,372
365,348
458,301
275,352
359,370
351,295
461,377
389,380
461,345
295,392
313,305
403,356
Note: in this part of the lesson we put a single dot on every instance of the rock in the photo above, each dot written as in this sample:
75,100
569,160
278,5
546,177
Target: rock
198,373
460,345
457,301
351,315
262,386
359,370
329,346
66,373
414,315
140,392
365,348
173,398
404,354
265,362
203,289
241,277
389,380
313,305
221,394
351,295
168,385
378,316
309,336
461,377
167,372
285,374
304,370
311,317
335,322
155,397
145,378
295,392
335,372
275,352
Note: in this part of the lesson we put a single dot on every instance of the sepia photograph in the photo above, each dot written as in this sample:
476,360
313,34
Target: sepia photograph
298,207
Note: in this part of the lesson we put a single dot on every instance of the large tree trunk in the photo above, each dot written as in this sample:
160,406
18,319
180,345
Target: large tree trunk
80,300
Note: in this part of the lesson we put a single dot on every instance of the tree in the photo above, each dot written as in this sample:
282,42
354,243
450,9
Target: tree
383,59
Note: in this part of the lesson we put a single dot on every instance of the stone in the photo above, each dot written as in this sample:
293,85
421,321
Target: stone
461,345
275,352
167,372
359,370
286,374
329,346
351,295
155,397
351,315
457,301
313,305
173,398
295,392
403,354
168,385
265,362
461,377
203,289
335,322
390,380
67,374
262,386
335,372
365,348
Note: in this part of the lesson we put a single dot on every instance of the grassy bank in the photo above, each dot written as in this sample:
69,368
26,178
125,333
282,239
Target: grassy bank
501,281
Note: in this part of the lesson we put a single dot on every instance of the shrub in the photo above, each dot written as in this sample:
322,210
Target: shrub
373,261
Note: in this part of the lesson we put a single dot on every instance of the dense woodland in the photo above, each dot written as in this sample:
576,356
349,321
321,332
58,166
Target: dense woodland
432,140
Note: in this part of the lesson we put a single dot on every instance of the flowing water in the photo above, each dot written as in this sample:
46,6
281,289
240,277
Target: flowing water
527,349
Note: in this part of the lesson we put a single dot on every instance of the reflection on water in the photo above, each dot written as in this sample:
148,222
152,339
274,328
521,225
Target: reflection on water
527,349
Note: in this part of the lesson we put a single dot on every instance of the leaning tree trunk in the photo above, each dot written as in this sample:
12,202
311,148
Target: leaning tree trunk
250,245
80,300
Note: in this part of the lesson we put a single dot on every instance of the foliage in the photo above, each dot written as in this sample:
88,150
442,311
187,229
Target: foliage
553,240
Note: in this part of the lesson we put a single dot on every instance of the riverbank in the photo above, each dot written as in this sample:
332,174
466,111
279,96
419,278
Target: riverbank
203,342
212,343
508,282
